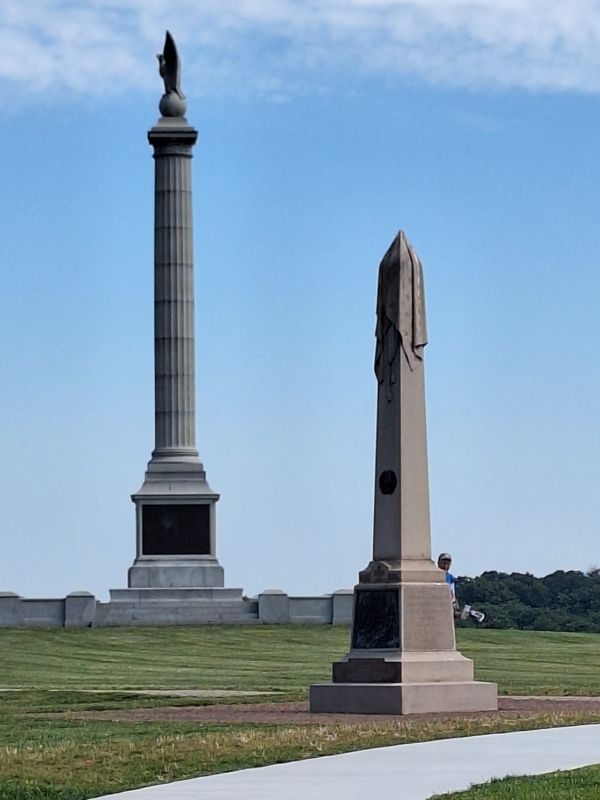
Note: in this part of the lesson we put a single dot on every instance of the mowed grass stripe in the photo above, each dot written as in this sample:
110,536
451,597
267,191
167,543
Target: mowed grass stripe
283,658
535,662
205,657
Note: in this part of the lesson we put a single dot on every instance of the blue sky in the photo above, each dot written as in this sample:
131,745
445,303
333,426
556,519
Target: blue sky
323,129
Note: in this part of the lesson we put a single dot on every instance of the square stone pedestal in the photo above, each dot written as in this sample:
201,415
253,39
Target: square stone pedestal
175,522
175,572
403,657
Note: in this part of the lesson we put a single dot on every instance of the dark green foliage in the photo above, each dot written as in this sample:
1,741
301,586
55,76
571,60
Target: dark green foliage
562,601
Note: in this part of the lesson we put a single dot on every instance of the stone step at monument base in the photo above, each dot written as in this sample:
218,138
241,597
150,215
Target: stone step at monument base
176,595
403,698
403,667
176,606
165,574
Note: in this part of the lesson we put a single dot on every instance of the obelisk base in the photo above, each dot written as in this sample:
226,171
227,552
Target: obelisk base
403,657
403,698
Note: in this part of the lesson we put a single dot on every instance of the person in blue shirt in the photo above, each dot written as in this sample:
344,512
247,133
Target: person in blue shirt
444,562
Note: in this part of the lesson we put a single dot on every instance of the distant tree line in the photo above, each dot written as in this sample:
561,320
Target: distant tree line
562,601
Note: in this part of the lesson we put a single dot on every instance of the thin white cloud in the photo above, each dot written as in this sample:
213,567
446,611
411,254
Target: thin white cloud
103,47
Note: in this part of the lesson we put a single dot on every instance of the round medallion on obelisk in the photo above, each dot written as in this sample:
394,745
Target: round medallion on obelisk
388,481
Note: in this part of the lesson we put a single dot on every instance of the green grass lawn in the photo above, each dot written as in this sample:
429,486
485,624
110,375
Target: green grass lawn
56,671
286,658
578,784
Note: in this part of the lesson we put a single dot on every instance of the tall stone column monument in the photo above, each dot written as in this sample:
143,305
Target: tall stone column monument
403,656
175,507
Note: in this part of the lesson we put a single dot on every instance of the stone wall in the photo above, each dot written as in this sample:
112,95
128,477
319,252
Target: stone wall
82,610
275,606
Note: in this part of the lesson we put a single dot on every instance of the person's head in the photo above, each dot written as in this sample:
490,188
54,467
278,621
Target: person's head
444,561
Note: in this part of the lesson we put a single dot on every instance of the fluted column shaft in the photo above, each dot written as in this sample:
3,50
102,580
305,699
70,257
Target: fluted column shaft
174,351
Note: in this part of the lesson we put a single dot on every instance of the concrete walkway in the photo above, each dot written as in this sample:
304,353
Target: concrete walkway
404,772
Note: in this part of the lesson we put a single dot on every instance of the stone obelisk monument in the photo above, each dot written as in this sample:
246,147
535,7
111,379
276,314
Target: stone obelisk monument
175,507
403,656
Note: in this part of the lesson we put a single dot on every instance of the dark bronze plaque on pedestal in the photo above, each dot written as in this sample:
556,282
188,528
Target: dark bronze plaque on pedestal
176,530
376,620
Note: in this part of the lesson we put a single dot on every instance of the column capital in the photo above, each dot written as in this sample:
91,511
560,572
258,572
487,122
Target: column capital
172,131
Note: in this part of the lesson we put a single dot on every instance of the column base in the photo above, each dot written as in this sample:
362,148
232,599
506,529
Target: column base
176,527
164,606
403,698
171,574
